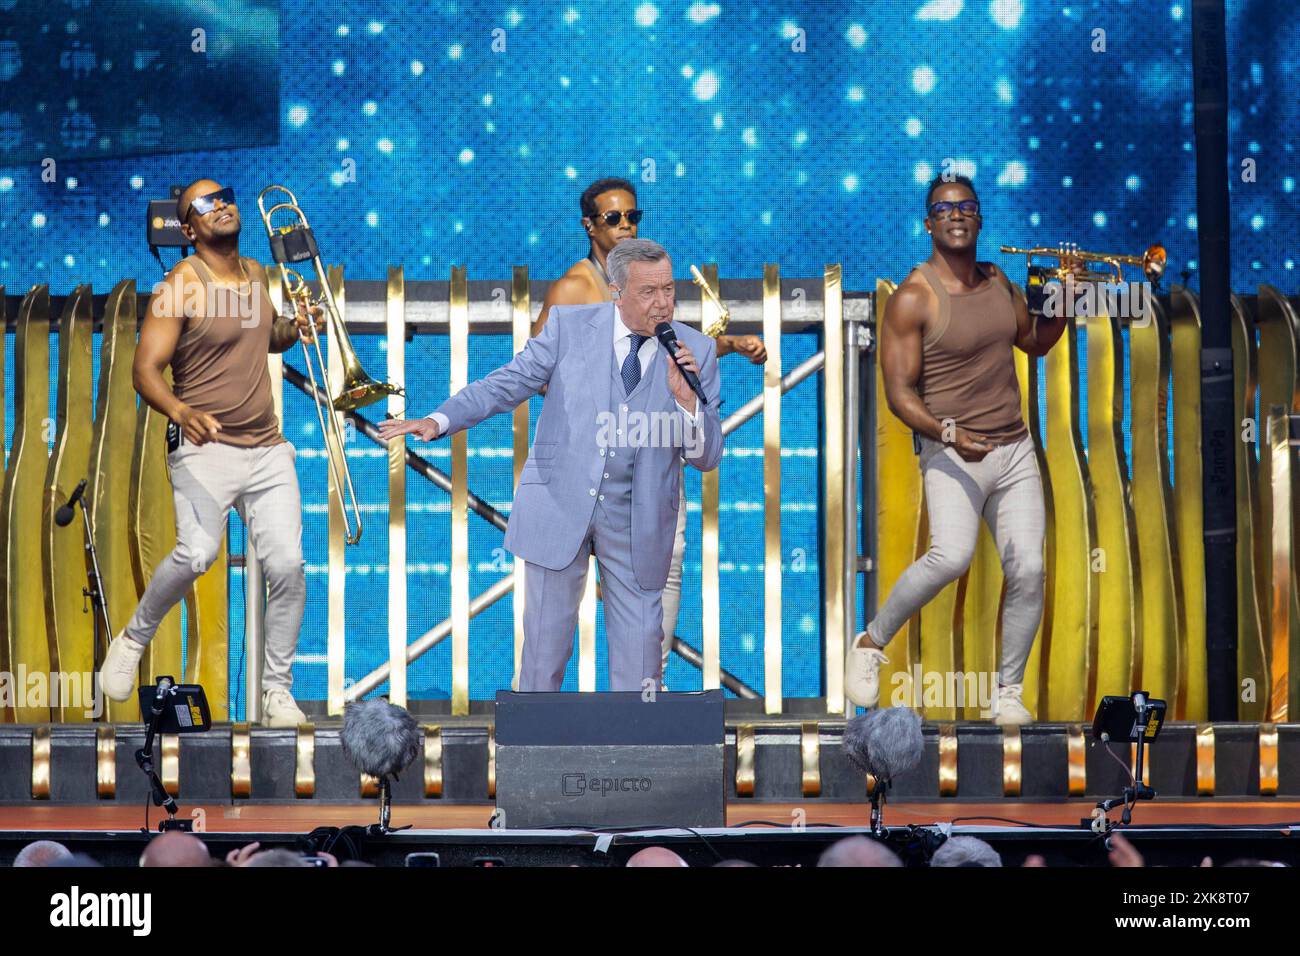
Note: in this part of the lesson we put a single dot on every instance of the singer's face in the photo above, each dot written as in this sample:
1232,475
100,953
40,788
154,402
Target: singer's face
604,236
222,222
649,296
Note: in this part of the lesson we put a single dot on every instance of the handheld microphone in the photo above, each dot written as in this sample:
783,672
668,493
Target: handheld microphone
63,516
668,339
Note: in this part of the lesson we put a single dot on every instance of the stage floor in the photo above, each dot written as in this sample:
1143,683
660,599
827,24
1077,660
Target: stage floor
279,818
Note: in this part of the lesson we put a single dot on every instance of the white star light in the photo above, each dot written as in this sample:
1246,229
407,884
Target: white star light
702,12
923,79
646,15
855,35
922,172
940,10
705,87
466,156
1013,174
385,145
1007,13
298,115
913,127
850,183
38,220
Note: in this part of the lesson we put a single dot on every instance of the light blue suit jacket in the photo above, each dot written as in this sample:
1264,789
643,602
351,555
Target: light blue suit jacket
573,356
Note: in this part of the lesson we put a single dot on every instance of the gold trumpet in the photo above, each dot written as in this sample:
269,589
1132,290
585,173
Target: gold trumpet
724,315
1069,256
291,244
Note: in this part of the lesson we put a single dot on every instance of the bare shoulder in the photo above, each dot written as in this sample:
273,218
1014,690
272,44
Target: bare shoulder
912,302
573,288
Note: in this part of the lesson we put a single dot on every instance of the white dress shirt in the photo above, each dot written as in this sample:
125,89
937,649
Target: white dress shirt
622,344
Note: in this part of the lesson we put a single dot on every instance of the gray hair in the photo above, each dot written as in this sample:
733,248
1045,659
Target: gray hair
965,851
859,851
628,251
42,853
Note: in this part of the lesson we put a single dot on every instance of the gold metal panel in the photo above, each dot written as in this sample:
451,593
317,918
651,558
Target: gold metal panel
587,632
710,544
432,760
1070,660
810,759
899,515
947,760
241,761
304,766
1268,760
772,490
1188,520
521,324
69,630
105,762
744,760
369,788
169,763
834,457
396,371
1284,628
1205,760
1114,562
5,715
110,471
1254,603
336,614
151,535
459,336
1077,761
1012,752
492,761
41,762
1035,681
1162,628
22,585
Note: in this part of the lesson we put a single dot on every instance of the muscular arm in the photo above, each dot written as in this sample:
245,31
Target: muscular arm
1034,336
900,359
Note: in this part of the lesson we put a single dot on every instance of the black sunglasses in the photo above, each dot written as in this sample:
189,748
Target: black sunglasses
615,216
205,204
969,207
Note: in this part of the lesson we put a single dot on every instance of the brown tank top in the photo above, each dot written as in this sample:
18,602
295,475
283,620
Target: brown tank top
219,365
968,368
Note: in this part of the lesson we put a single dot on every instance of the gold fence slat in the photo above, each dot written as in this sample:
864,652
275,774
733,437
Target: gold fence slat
304,762
105,762
835,457
432,760
1012,753
1268,760
1205,760
710,543
947,760
169,762
395,315
1113,562
110,470
1035,681
1284,627
772,490
1161,629
521,325
41,762
241,765
5,715
810,759
369,787
151,535
24,476
1075,587
587,632
1188,519
1252,557
1279,362
459,336
69,630
336,614
744,760
898,511
1076,778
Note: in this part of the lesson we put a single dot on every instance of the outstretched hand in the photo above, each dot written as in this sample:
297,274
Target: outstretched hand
424,429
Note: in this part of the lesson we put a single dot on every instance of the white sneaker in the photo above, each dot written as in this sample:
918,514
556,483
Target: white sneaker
862,671
279,709
1011,710
121,667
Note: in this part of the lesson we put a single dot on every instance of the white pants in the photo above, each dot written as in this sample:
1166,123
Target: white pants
207,481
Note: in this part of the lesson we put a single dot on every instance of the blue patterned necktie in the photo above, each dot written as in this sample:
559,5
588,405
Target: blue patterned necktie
631,370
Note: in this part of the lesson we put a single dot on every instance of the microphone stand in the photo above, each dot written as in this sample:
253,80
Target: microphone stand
1139,790
144,757
878,791
93,592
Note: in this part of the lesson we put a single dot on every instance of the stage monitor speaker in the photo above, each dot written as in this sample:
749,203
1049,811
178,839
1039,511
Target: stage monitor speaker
610,760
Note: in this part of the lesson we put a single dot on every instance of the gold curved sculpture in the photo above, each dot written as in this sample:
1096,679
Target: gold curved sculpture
1188,520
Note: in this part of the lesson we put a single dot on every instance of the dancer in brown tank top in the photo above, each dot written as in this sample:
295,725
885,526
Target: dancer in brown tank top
212,321
946,355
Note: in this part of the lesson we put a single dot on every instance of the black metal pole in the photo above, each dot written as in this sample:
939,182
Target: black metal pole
1218,430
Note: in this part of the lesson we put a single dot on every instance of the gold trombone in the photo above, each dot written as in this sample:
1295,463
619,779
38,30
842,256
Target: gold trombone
295,243
1069,257
724,314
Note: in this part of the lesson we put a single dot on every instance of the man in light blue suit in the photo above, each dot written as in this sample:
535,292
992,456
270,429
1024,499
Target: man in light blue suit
602,476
